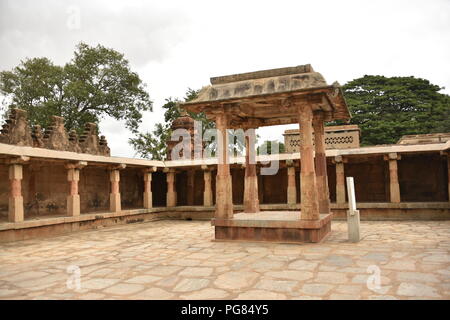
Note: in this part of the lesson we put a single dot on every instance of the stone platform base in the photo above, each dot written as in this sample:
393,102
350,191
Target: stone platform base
273,226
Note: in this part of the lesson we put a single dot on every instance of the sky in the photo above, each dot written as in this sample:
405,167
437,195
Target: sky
175,45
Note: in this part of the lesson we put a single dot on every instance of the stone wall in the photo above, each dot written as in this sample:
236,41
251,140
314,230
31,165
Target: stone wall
131,188
94,188
336,137
17,131
423,177
159,189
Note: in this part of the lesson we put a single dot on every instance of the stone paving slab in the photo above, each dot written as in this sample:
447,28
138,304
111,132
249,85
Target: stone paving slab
179,260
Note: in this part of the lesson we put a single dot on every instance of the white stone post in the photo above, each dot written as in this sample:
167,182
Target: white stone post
352,213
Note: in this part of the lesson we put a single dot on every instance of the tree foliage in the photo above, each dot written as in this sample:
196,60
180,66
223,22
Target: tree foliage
97,82
153,145
387,108
271,147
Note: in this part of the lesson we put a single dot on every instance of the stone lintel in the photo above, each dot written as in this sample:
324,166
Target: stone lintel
76,164
150,169
291,163
17,160
339,159
119,166
392,156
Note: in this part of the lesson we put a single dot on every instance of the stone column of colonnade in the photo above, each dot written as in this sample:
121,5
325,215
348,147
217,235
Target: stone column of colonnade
15,201
308,199
224,192
148,195
394,187
320,161
114,197
207,192
171,198
340,179
73,176
251,200
291,186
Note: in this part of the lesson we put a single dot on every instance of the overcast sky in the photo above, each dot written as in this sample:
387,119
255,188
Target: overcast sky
174,45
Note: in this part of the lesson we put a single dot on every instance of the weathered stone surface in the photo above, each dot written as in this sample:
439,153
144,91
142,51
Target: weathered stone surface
98,284
191,284
196,272
416,290
260,295
133,262
153,294
332,277
124,289
276,285
303,265
416,277
401,265
56,137
337,260
206,294
316,289
236,280
17,131
163,270
144,279
290,275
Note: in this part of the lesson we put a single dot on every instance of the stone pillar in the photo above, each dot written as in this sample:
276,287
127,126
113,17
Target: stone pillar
394,187
320,161
114,196
224,194
73,176
260,186
309,199
340,179
171,199
251,201
190,187
291,186
148,195
207,191
15,203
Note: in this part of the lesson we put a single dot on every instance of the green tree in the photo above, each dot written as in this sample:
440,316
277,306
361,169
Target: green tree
153,145
97,82
269,145
387,108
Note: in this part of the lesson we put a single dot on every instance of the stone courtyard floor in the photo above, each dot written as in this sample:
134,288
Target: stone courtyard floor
178,260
